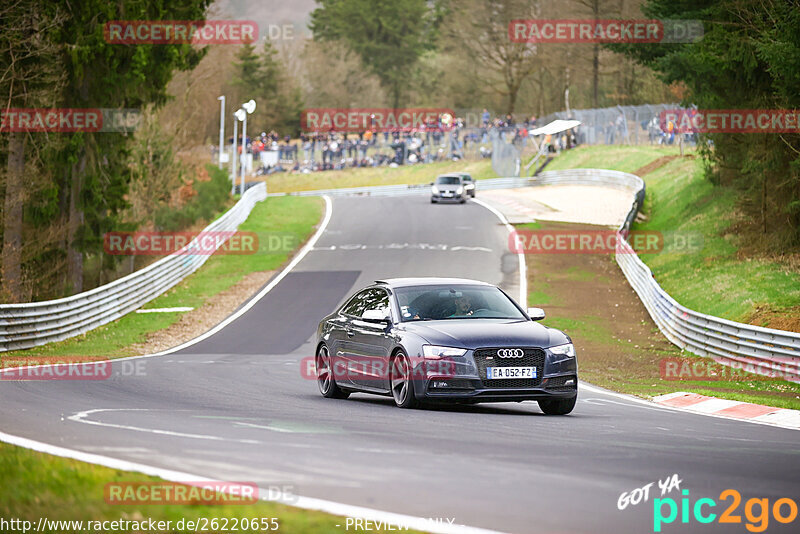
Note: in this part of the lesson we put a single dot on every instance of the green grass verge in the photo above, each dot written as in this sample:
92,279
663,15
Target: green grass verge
712,276
373,176
277,217
702,266
38,485
616,157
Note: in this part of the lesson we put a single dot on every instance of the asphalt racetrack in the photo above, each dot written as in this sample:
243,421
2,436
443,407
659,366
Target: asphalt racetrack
236,407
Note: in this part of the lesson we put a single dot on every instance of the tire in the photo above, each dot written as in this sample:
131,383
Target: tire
433,201
463,201
325,379
558,406
400,381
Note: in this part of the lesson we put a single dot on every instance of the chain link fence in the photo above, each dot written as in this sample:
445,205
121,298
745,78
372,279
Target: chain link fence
512,147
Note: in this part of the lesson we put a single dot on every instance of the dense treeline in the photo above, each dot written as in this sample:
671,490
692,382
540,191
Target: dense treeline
748,58
63,191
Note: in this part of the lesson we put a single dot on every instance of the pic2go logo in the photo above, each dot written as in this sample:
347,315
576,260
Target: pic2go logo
756,511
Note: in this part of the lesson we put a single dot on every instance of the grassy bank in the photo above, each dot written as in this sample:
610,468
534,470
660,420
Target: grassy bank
364,176
37,485
293,218
619,347
716,272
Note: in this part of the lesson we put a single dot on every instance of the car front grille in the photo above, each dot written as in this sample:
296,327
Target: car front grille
533,357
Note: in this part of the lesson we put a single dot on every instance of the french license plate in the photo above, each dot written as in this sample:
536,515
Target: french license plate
510,372
447,194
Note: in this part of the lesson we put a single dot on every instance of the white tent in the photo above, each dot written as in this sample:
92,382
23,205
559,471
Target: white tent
555,127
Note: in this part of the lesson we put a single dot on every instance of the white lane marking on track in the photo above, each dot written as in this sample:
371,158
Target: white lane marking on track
523,269
306,503
436,247
82,417
290,429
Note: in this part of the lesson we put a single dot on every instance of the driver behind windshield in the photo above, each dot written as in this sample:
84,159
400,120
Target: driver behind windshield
463,306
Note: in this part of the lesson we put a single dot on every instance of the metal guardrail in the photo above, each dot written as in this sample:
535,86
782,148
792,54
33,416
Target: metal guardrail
27,325
761,350
764,351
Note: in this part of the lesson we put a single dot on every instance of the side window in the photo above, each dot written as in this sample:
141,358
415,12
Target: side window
369,299
377,299
357,304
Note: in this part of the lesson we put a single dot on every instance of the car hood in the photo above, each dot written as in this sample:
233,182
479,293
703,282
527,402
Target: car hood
477,333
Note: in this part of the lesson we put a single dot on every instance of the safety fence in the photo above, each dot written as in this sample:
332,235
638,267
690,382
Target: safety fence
27,325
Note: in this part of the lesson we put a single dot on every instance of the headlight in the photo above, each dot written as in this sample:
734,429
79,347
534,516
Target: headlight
469,186
460,190
435,352
434,190
564,350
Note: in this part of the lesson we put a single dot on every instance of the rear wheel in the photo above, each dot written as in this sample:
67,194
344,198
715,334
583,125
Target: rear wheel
325,380
558,406
402,389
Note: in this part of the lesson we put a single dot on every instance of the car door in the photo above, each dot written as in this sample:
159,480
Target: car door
371,343
344,362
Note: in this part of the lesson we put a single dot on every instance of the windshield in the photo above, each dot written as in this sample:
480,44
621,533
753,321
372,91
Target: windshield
466,177
448,180
436,302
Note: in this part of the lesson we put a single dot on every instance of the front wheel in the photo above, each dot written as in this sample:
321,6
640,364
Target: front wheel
402,389
558,406
325,379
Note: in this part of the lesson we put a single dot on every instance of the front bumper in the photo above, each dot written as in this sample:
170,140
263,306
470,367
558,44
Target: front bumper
473,391
460,380
454,198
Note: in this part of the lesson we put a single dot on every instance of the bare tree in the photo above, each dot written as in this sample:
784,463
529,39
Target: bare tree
479,28
28,77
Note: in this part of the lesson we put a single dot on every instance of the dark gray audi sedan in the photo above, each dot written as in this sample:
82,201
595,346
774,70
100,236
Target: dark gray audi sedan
444,339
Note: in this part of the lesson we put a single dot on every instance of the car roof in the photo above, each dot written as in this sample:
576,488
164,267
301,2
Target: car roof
428,281
449,175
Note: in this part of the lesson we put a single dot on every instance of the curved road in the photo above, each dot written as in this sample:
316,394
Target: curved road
235,406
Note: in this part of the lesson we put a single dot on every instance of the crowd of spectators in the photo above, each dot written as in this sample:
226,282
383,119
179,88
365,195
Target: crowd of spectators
446,138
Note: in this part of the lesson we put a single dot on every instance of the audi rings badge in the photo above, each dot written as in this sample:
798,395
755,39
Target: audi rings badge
511,353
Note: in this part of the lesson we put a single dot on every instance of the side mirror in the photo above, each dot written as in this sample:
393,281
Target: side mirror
536,314
376,316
